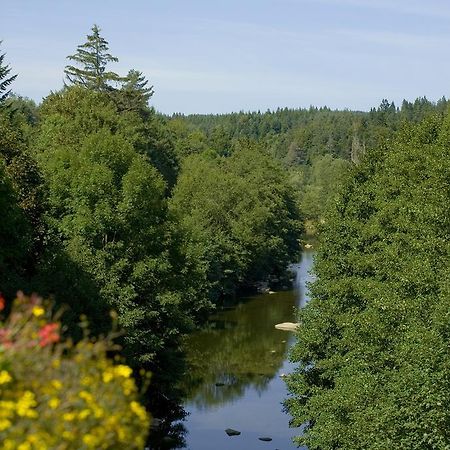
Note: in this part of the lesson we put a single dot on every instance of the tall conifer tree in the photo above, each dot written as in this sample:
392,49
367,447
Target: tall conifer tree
92,58
5,79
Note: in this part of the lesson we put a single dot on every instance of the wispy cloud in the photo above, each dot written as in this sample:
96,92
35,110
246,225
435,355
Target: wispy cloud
412,41
429,8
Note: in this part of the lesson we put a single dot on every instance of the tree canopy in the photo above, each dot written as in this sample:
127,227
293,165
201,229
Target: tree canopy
239,216
372,353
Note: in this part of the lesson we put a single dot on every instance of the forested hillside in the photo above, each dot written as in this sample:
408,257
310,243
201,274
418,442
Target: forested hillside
315,145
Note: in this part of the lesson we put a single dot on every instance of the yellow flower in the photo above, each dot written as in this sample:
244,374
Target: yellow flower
121,433
68,417
107,376
24,446
139,410
98,412
68,435
87,380
56,363
90,440
38,311
32,439
128,386
7,408
25,404
53,402
83,414
4,424
123,371
86,396
9,444
56,384
5,377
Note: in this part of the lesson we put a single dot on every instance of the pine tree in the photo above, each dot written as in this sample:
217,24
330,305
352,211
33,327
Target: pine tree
93,58
135,93
5,80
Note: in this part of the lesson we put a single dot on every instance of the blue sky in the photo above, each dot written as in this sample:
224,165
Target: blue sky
220,56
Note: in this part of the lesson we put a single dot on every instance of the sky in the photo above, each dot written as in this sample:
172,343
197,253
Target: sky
214,56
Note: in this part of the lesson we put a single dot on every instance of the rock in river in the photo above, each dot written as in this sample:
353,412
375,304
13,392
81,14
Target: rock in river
265,439
232,432
286,326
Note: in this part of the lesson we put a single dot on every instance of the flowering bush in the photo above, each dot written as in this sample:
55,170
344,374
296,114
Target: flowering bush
59,395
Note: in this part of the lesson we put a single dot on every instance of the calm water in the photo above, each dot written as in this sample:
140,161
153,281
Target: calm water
235,365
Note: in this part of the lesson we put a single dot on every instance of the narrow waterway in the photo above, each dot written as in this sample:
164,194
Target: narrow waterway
236,366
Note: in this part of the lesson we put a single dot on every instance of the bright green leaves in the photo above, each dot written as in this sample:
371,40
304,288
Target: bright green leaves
108,209
373,355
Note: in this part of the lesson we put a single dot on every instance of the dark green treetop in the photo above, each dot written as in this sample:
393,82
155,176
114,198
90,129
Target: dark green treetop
5,79
135,91
93,58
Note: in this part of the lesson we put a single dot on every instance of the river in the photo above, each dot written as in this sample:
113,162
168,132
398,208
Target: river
236,364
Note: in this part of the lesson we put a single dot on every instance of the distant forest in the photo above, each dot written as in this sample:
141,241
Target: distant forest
315,145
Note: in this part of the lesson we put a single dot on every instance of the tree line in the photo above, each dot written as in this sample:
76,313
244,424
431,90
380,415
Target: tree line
316,146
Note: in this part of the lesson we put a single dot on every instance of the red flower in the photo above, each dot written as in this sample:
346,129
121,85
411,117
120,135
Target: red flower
2,302
48,334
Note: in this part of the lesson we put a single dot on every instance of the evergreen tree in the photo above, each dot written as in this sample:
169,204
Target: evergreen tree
135,93
92,57
5,79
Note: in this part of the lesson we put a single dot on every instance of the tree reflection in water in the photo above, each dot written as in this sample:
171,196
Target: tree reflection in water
239,348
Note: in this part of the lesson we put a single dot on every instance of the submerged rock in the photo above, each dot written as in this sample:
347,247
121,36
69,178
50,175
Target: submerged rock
265,439
232,432
287,326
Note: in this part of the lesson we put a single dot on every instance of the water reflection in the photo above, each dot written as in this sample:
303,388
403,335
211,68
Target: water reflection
239,349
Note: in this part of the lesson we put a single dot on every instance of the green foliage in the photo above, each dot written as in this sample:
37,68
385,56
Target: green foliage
23,114
21,169
134,94
372,347
22,207
320,185
106,205
239,216
15,237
